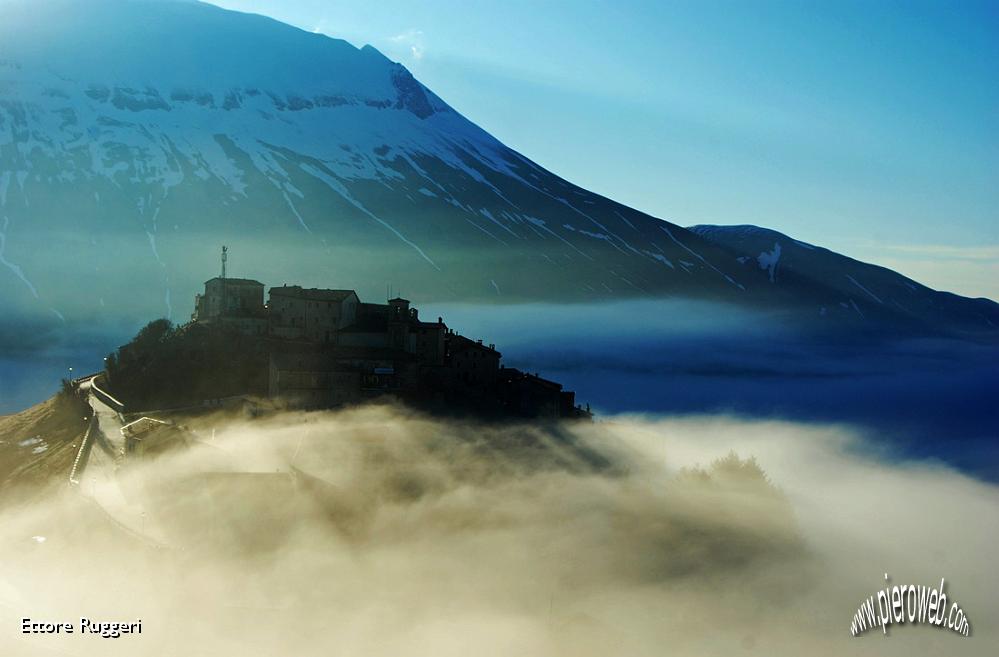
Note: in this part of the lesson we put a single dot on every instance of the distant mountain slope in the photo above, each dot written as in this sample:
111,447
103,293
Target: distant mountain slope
828,281
137,136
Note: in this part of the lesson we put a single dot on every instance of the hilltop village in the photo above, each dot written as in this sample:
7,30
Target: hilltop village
324,348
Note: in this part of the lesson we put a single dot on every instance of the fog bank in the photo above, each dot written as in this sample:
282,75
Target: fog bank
405,535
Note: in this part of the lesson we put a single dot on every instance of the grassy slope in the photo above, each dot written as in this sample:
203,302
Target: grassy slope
57,425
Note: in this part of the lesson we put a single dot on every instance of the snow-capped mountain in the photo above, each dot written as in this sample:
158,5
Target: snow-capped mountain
829,282
138,136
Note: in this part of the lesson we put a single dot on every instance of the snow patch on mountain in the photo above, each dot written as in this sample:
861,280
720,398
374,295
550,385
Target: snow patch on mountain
768,261
15,269
661,258
728,278
152,246
871,294
340,189
540,223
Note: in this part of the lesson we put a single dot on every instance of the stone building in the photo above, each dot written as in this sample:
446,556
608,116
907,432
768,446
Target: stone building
310,376
472,363
325,347
310,314
377,353
236,302
529,395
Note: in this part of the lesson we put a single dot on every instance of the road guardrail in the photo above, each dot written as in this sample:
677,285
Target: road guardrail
105,397
83,454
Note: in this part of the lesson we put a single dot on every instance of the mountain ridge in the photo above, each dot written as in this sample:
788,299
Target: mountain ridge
784,257
125,162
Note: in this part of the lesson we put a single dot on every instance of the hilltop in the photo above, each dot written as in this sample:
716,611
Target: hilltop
322,348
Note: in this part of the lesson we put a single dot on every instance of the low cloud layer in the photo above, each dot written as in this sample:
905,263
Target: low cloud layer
927,398
404,535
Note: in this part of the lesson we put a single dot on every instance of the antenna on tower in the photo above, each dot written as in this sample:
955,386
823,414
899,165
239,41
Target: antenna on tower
225,291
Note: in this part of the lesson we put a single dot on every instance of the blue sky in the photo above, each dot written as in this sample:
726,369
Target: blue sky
871,128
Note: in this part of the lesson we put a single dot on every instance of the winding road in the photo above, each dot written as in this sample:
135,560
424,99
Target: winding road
98,471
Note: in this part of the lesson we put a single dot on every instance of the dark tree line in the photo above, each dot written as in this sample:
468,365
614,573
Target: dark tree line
167,366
